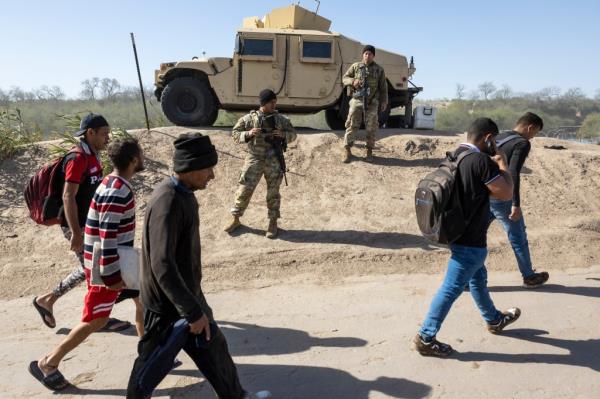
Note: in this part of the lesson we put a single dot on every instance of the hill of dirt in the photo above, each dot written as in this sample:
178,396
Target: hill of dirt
337,220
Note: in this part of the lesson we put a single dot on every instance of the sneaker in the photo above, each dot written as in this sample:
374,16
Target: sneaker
259,395
433,348
508,317
535,280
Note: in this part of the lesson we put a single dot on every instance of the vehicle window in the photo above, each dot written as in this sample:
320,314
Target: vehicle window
316,49
262,47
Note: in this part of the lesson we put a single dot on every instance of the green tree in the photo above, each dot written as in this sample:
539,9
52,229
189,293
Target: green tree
590,127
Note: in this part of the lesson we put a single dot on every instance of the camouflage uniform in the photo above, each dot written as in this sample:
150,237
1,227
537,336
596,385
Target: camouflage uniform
261,160
379,95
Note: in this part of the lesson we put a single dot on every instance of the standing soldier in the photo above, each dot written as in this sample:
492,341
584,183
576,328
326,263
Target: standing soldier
367,81
262,131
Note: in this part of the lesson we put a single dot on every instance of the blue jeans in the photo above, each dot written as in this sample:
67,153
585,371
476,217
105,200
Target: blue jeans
516,234
466,265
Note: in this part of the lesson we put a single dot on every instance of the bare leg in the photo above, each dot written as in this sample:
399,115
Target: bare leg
77,335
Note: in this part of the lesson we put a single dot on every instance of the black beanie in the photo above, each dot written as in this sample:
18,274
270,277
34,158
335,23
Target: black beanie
266,95
193,151
370,48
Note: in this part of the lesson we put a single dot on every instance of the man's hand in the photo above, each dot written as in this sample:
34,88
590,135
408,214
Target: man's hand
382,107
516,213
202,324
77,243
356,83
116,287
500,159
255,131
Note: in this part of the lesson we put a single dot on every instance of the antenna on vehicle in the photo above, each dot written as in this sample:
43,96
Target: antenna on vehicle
318,5
137,65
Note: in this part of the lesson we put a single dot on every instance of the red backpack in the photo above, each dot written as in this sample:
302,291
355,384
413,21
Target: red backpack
43,193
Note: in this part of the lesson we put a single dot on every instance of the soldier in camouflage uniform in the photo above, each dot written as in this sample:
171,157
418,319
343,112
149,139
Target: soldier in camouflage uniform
254,130
377,101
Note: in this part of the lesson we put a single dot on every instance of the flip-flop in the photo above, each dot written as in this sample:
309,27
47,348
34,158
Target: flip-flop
54,381
112,325
44,313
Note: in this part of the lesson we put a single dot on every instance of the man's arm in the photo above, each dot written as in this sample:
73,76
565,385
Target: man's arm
72,216
349,76
164,233
501,187
517,159
240,134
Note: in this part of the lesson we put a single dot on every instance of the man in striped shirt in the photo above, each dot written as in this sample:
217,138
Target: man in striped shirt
111,222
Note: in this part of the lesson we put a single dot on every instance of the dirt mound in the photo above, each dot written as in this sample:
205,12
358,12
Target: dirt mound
337,219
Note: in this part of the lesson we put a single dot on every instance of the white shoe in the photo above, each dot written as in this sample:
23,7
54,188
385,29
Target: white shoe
259,395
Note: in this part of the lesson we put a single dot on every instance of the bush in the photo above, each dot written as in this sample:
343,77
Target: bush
590,128
14,133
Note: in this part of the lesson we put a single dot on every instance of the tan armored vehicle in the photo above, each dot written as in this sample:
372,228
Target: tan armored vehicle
290,51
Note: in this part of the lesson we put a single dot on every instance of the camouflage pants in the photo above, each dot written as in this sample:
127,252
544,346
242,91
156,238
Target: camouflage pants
77,275
355,118
254,168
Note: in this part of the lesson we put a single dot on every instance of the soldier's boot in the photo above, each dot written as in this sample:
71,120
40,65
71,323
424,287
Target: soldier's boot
369,155
272,229
234,224
347,154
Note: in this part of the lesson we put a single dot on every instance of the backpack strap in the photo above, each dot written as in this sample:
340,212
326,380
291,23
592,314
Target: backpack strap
505,140
71,155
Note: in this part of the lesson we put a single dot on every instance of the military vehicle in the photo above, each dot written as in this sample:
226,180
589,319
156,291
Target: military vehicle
290,51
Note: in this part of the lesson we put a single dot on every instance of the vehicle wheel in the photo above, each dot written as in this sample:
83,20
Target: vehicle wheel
384,117
395,122
188,101
334,119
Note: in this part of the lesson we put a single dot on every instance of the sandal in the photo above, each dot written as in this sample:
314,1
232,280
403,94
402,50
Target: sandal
115,325
54,381
45,314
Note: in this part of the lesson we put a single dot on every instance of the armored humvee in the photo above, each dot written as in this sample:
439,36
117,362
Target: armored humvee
290,51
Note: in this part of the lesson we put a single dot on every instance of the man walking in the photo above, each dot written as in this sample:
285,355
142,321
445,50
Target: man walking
261,131
367,81
516,145
83,174
171,274
481,174
111,223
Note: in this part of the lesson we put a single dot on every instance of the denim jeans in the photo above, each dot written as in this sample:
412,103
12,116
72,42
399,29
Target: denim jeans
516,234
466,265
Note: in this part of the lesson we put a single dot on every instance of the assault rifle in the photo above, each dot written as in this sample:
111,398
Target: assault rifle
279,145
364,91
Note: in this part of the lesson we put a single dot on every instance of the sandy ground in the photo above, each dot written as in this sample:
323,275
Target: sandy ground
349,339
349,263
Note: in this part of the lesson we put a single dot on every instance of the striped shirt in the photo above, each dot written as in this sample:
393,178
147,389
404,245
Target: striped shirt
110,221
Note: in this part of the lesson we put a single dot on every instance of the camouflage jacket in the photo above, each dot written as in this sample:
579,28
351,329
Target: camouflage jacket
375,78
258,146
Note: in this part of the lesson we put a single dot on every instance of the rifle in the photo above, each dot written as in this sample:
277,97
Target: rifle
279,147
365,91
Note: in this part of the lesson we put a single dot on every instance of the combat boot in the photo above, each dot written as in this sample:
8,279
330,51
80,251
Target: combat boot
347,154
234,224
369,157
272,229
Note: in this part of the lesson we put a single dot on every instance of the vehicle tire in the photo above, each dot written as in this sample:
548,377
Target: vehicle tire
334,119
394,122
383,117
189,101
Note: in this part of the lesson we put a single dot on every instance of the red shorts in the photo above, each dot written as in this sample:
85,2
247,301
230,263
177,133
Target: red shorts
98,302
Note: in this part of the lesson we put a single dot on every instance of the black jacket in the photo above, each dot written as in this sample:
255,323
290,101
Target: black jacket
171,269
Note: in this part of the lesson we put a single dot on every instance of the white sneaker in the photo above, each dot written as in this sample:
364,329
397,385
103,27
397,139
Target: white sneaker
259,395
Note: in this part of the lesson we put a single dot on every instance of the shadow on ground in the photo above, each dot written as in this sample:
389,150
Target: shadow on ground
582,353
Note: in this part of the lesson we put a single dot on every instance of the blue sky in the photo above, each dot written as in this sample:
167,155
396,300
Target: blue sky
525,44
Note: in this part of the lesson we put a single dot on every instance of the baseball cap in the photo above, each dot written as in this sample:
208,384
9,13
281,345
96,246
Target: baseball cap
90,121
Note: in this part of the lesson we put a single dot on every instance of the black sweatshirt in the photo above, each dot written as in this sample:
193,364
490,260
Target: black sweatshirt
516,151
171,269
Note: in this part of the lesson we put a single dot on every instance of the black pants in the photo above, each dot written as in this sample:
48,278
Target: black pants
214,362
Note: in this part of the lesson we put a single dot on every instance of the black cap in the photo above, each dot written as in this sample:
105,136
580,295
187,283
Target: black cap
90,121
370,48
193,151
266,95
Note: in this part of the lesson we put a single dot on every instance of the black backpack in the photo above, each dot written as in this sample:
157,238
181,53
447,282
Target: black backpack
439,213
